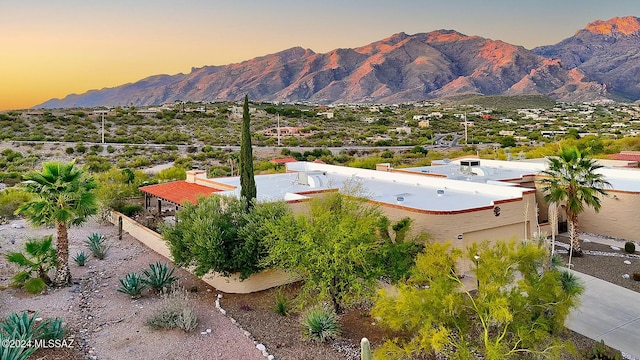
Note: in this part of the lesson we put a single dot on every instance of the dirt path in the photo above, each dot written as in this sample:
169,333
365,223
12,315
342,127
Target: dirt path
106,324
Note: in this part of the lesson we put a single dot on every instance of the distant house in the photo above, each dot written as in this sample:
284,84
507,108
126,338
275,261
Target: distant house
283,161
284,131
326,114
148,112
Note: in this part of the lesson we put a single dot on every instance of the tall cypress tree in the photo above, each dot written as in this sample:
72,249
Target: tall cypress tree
247,180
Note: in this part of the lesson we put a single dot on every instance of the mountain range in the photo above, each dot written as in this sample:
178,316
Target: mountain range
600,61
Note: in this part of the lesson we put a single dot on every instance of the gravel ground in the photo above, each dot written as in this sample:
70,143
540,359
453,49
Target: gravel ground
106,324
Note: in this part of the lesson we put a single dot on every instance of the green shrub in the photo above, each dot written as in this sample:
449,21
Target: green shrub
80,258
600,351
630,247
175,312
320,323
132,285
159,276
281,306
131,209
11,200
38,259
97,244
636,276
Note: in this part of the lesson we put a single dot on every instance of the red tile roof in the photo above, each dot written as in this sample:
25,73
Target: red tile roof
283,161
179,191
626,155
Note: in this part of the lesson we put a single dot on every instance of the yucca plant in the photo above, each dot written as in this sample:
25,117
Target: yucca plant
159,276
39,257
132,285
80,258
321,323
97,244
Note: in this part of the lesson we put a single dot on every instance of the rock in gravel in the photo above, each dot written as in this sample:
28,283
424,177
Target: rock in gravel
261,347
615,248
627,262
625,276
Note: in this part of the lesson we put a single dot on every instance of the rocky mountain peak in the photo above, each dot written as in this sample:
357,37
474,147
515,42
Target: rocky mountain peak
623,25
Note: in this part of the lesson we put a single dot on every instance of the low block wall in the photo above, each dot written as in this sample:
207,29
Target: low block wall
233,284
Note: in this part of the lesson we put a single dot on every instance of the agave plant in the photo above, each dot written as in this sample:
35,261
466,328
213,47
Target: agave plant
81,258
132,285
14,352
21,326
39,257
159,276
98,245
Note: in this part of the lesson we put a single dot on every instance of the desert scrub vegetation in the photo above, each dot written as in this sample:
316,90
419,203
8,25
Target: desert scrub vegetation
175,312
220,234
10,200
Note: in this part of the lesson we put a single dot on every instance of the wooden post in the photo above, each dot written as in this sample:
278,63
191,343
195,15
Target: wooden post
159,206
119,227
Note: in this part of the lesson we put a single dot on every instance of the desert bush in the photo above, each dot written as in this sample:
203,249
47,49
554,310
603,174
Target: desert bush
630,247
159,276
131,209
132,285
11,200
80,258
175,312
600,351
636,276
97,244
39,257
320,323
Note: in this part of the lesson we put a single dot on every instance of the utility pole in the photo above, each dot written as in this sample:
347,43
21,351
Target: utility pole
278,129
465,129
103,128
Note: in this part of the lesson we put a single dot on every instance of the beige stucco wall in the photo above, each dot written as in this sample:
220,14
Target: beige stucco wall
617,218
447,226
256,282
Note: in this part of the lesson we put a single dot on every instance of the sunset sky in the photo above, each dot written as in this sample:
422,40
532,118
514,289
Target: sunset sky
50,49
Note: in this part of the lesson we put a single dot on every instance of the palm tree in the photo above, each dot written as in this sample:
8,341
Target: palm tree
571,178
63,197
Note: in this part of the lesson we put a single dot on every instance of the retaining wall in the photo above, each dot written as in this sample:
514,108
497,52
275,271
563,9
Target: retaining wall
233,284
